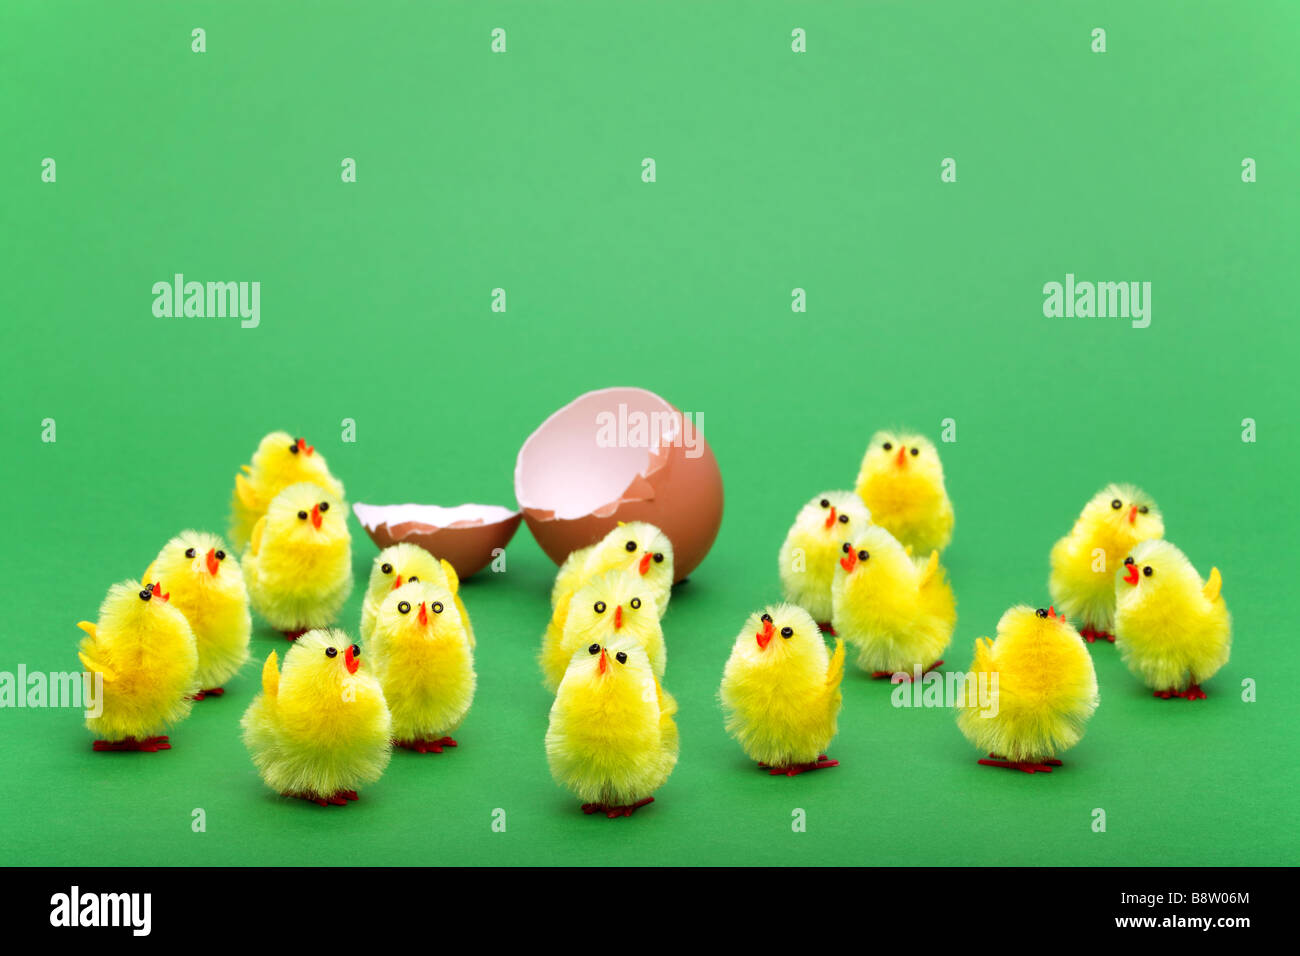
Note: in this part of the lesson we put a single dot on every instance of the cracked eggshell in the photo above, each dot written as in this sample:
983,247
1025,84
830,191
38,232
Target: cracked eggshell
574,485
465,535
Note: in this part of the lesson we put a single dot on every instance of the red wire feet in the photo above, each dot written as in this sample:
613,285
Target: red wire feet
294,635
823,762
1193,692
428,746
1090,634
210,692
621,811
144,745
907,677
1026,766
339,798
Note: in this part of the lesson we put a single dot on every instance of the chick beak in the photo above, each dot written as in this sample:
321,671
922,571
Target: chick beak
1132,514
618,618
351,661
158,592
830,519
849,561
304,447
315,516
1131,574
765,635
644,566
397,582
213,564
901,458
424,615
604,661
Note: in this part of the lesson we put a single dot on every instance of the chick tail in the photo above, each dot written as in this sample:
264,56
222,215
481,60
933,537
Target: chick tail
95,667
271,676
89,628
1213,586
453,579
255,539
983,662
930,569
246,493
835,670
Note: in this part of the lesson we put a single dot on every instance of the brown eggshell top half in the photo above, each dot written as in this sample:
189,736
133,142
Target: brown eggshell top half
465,535
573,490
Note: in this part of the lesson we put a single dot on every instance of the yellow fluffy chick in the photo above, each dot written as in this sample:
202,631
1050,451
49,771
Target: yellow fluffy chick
610,605
901,483
144,651
781,691
1172,630
897,611
207,585
424,662
280,461
298,566
1084,562
612,740
320,729
636,546
401,564
812,547
1035,689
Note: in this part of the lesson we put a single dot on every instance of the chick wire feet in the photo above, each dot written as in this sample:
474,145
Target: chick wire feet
339,798
294,635
823,762
905,677
145,745
1091,634
827,628
612,812
1193,692
1027,766
426,746
210,692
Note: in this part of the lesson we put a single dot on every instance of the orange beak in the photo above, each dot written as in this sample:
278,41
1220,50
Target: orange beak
158,592
424,615
303,446
1132,514
849,561
397,581
644,566
901,458
765,635
604,661
618,618
315,516
351,660
213,564
1051,612
830,519
1131,574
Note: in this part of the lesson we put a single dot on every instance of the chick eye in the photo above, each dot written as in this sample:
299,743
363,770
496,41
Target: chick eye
621,657
356,651
915,452
635,602
847,547
221,555
825,503
862,555
146,595
1128,560
787,632
324,506
659,557
404,607
1041,612
599,607
1147,571
302,516
594,649
436,606
331,652
411,578
888,446
1143,510
630,546
844,519
189,552
293,449
1117,504
766,618
386,568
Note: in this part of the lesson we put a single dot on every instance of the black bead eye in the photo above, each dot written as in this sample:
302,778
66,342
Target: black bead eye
146,595
294,448
386,568
847,547
1148,571
635,602
787,632
630,546
599,607
844,519
1117,504
825,503
221,555
594,649
404,607
356,651
915,452
411,579
302,516
1128,560
331,652
1143,510
324,506
766,618
862,555
621,657
1041,612
436,607
189,552
659,557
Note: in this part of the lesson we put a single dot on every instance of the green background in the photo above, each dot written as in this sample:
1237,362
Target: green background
775,171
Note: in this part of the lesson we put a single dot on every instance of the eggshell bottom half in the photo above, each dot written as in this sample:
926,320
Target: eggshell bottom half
465,535
573,486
